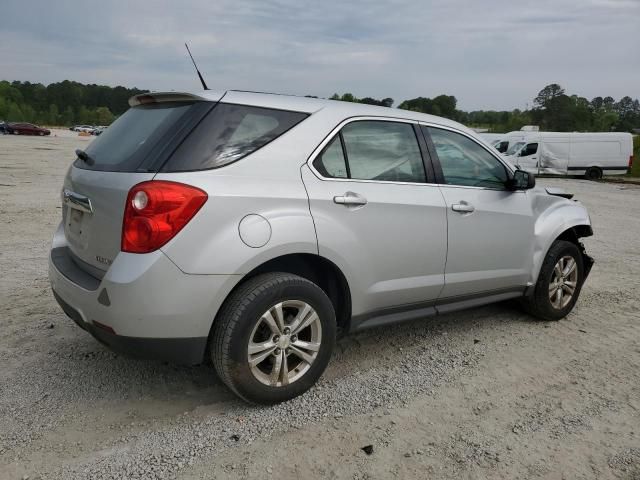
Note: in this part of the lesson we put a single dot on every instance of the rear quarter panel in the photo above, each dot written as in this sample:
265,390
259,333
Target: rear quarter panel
266,183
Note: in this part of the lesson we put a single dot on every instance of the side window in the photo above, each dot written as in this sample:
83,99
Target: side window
464,162
331,163
529,149
386,151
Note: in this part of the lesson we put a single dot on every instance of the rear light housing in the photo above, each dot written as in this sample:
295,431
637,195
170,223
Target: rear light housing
156,211
630,162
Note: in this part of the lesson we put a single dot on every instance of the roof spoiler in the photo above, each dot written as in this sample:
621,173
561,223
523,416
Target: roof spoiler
161,97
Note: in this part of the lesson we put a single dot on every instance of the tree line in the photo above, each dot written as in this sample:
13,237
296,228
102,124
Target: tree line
553,110
63,103
69,103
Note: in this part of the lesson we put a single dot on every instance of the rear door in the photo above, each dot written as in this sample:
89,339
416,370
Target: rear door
127,153
378,215
490,229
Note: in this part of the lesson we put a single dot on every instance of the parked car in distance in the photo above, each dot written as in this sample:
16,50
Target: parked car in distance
98,130
4,128
252,228
27,129
559,153
82,128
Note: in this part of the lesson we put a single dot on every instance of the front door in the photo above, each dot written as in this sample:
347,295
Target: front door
376,216
490,244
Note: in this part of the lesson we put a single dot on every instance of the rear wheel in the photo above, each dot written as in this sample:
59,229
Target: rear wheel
593,173
559,283
273,337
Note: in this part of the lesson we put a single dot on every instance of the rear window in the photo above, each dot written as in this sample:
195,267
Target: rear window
228,133
137,140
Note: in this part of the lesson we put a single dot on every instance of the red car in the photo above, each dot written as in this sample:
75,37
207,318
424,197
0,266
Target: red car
26,129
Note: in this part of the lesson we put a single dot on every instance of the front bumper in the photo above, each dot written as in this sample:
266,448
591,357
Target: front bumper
144,306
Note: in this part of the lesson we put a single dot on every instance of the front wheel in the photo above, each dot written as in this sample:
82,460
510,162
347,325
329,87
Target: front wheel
559,283
593,173
273,337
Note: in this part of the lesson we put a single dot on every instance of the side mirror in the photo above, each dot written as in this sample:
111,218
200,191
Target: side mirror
522,180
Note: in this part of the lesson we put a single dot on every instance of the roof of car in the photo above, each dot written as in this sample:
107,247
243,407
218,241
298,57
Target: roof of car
297,103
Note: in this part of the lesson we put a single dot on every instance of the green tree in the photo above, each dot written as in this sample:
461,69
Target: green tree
103,116
53,117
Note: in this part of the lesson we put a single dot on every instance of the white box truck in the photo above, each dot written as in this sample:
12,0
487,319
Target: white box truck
590,154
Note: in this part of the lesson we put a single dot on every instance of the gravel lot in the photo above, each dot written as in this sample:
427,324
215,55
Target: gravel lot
487,393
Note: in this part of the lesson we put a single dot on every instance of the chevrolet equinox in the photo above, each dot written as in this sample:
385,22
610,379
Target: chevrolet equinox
250,229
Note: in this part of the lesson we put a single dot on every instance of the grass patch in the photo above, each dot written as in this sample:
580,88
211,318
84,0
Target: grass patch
635,171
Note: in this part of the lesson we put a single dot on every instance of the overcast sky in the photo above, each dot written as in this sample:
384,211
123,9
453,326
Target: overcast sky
490,54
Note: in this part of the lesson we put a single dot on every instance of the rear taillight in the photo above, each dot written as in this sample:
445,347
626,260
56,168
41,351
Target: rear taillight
156,211
630,161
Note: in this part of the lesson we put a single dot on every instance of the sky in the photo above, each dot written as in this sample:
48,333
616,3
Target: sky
489,54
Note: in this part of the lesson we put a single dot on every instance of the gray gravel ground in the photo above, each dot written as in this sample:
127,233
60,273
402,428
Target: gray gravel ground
487,393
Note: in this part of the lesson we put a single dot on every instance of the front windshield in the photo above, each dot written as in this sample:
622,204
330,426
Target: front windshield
514,148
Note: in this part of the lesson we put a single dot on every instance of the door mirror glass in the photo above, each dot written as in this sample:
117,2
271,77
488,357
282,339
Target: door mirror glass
522,180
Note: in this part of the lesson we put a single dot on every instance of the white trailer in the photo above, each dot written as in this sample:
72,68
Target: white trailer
588,154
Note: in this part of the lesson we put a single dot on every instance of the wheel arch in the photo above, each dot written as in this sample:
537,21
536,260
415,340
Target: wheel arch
317,269
569,232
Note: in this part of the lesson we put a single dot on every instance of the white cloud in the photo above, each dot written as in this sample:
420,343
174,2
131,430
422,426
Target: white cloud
494,54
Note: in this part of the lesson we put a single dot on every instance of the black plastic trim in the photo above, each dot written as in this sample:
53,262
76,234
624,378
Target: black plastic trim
426,156
184,351
415,311
626,167
63,261
433,156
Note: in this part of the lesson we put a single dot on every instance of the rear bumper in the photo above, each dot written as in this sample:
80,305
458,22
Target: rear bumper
144,306
186,351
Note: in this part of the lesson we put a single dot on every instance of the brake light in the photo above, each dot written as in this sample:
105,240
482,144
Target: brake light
630,161
156,211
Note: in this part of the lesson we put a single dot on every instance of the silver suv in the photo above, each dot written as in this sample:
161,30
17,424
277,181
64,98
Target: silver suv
251,229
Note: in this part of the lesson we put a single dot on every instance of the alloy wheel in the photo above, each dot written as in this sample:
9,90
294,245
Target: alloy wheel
284,343
564,281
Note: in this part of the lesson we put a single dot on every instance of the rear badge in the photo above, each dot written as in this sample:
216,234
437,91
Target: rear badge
103,260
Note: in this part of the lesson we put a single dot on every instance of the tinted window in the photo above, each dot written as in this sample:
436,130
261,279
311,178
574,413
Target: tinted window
502,146
127,142
464,162
529,149
513,149
229,133
377,150
331,163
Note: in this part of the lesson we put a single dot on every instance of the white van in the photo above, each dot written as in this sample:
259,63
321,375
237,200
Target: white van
588,154
490,138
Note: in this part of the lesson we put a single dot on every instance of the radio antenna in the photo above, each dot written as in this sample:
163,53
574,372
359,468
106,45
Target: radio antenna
204,85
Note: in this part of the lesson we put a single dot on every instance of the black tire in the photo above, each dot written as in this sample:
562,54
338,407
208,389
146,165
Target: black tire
235,324
538,303
593,173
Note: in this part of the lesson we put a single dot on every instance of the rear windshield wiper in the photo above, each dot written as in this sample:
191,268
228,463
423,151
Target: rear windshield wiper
84,156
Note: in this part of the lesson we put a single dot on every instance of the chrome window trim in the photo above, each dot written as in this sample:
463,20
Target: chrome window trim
318,150
346,121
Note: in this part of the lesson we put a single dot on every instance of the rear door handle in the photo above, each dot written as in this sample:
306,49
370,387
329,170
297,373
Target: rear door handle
462,207
77,201
350,199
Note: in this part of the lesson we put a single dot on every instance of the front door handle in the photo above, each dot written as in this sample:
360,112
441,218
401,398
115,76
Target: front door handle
462,207
350,199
